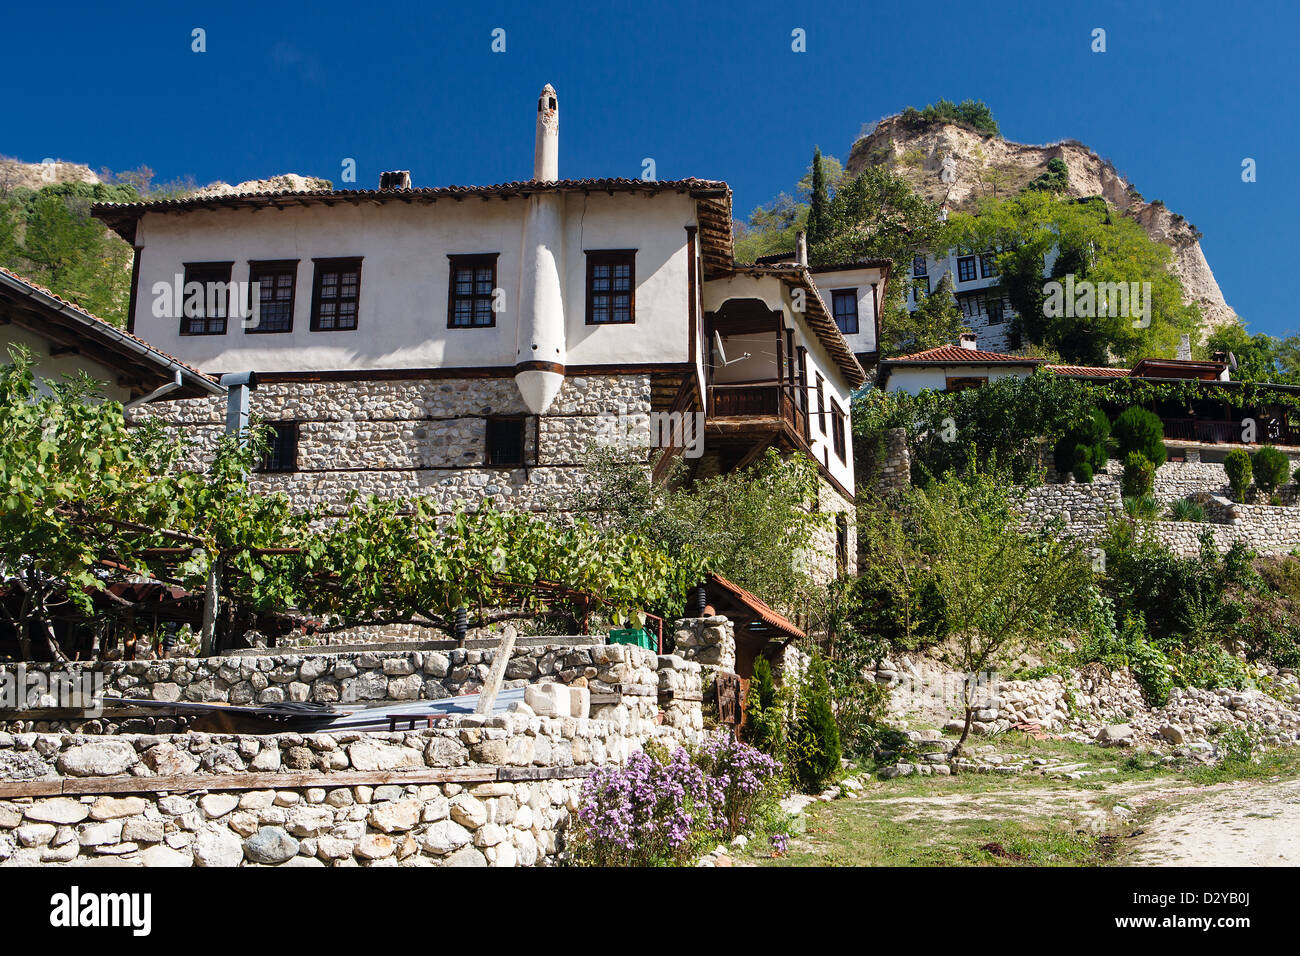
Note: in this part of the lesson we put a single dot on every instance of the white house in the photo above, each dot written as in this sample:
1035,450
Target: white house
471,341
951,368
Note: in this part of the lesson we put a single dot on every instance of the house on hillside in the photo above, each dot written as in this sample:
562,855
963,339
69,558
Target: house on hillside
65,340
464,342
1200,428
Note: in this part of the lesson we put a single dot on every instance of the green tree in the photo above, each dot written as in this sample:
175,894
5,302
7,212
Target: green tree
815,737
937,320
1085,444
817,205
1271,469
1138,430
1239,468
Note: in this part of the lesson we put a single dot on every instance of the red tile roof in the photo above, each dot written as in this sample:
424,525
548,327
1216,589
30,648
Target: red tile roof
103,333
956,355
1089,371
755,605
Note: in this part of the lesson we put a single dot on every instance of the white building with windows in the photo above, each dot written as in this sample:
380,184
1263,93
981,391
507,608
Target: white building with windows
464,342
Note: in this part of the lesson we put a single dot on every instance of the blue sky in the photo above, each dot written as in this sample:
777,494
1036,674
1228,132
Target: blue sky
1184,92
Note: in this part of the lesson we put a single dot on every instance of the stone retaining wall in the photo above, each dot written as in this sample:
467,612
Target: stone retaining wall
498,791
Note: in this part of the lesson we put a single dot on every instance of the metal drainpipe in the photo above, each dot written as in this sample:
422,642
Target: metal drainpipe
156,394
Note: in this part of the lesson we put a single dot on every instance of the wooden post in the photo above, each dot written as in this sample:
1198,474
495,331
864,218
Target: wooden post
488,695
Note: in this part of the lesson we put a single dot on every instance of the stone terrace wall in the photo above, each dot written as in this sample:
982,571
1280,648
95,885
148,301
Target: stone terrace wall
418,436
498,791
1084,509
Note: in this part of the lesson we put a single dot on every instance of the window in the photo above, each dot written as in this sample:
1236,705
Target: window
918,266
611,287
204,310
505,441
920,288
841,544
821,403
966,268
961,384
988,265
335,295
282,453
473,283
275,283
837,430
844,303
996,311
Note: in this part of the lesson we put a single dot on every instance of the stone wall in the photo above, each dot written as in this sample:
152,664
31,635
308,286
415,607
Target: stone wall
420,436
895,470
706,640
821,557
1084,510
498,791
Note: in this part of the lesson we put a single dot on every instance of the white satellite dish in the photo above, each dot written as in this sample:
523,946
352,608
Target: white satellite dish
722,353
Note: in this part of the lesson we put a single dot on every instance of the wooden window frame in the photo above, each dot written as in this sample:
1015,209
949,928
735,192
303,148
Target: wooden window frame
962,263
517,421
925,268
957,383
988,266
626,257
837,432
836,296
280,428
821,405
215,272
272,267
916,287
334,264
842,544
470,261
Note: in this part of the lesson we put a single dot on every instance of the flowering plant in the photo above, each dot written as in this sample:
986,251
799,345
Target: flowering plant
662,811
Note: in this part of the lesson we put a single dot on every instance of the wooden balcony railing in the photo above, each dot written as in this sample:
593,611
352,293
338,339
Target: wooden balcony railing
770,400
1230,432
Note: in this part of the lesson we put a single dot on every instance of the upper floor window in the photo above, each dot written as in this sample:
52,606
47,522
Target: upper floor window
335,295
966,268
918,266
274,282
841,544
844,303
821,403
505,442
611,287
988,265
282,451
837,430
920,288
473,284
206,302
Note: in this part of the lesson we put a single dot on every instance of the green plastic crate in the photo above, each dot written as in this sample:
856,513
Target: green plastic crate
639,636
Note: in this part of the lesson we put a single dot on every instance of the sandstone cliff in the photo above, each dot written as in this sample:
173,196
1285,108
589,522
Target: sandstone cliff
990,166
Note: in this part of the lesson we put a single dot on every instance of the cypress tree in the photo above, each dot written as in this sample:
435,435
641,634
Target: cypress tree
817,209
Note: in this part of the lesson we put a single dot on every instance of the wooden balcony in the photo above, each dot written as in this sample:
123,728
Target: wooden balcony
1271,431
759,400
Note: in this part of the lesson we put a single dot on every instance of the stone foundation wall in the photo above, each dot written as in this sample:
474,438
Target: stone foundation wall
477,792
895,472
821,556
420,436
710,641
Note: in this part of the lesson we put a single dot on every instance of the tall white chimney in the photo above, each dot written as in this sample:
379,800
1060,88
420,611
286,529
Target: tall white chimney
546,151
801,248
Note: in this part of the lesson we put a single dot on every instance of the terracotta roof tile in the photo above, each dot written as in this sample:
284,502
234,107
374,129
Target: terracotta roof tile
757,606
1089,371
956,355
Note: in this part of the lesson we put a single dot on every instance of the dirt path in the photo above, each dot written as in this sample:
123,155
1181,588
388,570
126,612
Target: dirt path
1256,824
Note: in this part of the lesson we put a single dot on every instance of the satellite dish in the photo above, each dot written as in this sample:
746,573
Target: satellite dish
1232,362
722,353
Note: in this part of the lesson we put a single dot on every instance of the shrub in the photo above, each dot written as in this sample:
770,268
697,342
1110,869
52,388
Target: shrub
663,810
1271,468
1240,470
1141,507
1084,444
1138,430
1139,477
1186,510
814,738
1295,476
765,712
1083,473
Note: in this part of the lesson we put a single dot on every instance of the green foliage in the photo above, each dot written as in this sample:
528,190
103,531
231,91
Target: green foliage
971,114
1055,180
1240,470
1260,357
1141,507
1005,423
1271,468
1082,473
817,204
745,525
814,736
1141,431
1185,509
49,236
861,704
767,712
937,320
1093,243
1139,478
1085,444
